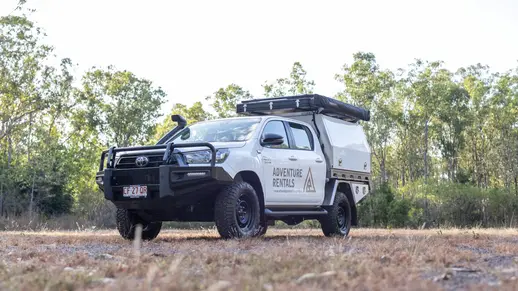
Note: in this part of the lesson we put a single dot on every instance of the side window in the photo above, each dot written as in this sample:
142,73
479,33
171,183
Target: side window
278,128
302,136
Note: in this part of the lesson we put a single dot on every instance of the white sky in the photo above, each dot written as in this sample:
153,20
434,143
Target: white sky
192,48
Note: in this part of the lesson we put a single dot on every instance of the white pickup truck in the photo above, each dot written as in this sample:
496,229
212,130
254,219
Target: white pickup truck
290,158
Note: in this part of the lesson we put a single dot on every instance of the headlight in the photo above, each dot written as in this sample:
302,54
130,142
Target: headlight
204,157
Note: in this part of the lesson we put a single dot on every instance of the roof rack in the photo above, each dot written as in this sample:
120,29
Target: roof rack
303,103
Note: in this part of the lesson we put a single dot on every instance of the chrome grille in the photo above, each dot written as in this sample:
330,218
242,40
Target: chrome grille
127,162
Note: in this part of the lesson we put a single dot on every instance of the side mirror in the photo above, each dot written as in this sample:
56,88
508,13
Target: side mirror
272,139
186,134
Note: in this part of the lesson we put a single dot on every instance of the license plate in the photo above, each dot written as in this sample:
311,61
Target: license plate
134,191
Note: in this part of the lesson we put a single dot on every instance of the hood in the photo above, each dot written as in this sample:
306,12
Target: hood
217,145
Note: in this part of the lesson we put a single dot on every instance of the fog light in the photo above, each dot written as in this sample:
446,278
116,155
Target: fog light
196,174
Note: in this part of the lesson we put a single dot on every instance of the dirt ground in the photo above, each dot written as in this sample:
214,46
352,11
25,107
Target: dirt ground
282,260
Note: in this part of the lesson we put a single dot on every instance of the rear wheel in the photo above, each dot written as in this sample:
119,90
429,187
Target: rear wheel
236,211
128,221
338,220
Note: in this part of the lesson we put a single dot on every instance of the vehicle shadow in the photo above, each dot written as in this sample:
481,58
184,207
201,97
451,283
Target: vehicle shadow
293,237
273,238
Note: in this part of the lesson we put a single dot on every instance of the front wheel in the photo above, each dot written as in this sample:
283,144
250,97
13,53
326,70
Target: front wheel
127,222
262,228
236,212
338,220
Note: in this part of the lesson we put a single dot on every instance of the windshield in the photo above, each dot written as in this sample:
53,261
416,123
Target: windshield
226,130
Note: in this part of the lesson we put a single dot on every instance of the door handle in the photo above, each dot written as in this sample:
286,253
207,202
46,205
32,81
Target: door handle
293,158
319,160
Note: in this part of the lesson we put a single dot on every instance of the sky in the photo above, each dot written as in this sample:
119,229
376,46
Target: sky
193,48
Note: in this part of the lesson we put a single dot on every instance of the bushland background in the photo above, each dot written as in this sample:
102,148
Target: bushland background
444,143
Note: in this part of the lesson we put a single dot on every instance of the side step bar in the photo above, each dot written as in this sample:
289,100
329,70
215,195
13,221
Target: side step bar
279,213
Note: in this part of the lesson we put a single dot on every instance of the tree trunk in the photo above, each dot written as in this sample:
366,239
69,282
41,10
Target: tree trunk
411,173
425,155
426,214
29,140
482,158
9,152
31,203
476,170
403,182
504,159
450,171
9,159
383,170
1,199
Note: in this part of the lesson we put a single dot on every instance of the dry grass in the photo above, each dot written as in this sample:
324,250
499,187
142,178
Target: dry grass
283,260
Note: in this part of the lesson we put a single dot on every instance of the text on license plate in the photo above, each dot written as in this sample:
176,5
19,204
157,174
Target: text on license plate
134,191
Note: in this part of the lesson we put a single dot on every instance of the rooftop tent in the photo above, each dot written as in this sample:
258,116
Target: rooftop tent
300,103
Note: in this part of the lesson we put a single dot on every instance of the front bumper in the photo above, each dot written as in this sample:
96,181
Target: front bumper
166,182
173,183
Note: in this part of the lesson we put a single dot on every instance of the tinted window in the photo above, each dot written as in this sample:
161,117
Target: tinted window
302,136
277,127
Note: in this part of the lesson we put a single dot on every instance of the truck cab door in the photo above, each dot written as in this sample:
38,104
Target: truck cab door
280,167
311,161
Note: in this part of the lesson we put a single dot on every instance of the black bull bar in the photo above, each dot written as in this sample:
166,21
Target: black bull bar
170,180
169,148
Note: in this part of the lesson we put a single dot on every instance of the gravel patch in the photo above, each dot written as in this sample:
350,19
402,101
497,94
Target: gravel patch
480,251
464,279
501,261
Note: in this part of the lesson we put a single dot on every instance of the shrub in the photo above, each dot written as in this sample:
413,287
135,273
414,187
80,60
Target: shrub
398,213
382,209
439,204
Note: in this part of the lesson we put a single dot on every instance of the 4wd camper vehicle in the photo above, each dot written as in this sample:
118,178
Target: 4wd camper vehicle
290,158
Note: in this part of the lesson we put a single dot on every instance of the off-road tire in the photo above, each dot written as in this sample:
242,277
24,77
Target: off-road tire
226,211
127,222
338,220
263,227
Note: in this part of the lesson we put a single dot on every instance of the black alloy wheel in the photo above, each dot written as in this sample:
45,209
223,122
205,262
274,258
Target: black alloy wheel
236,212
338,220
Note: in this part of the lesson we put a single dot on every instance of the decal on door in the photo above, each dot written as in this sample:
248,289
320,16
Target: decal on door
284,179
309,186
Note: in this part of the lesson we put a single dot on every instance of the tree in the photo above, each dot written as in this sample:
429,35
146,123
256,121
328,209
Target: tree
428,83
477,81
23,77
503,120
224,100
453,119
121,106
21,70
368,86
295,84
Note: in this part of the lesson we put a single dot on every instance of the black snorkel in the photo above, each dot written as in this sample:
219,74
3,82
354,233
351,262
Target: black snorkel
181,125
